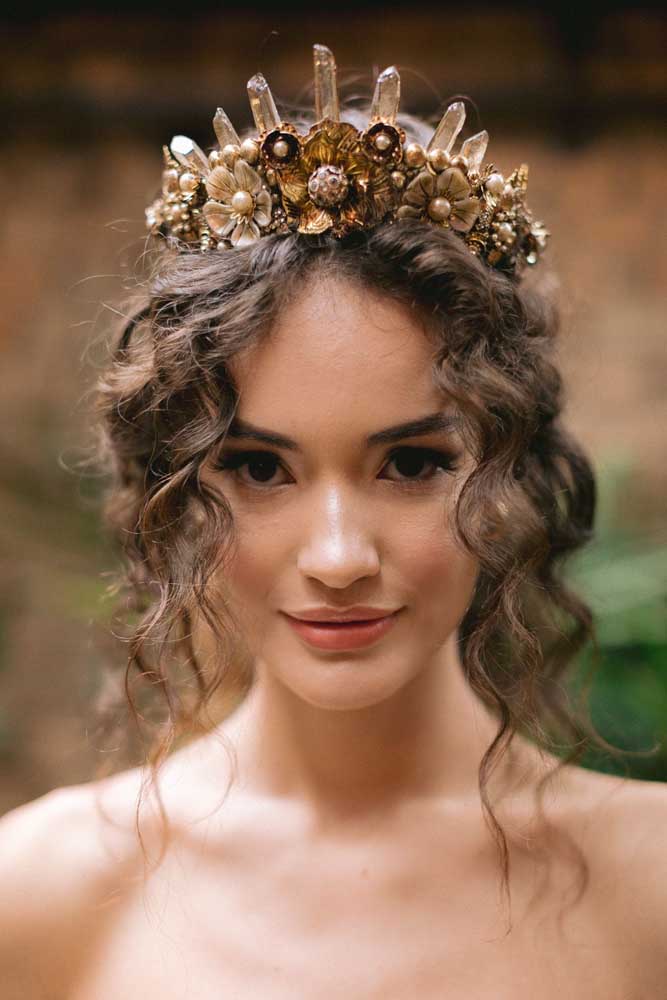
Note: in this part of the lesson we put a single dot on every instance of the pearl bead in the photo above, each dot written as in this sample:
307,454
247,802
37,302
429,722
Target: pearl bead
461,162
215,158
242,202
495,184
438,159
250,150
398,178
188,182
271,177
439,209
505,232
382,141
281,148
231,153
414,154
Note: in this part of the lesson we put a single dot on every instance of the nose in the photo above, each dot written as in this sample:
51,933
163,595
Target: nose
337,549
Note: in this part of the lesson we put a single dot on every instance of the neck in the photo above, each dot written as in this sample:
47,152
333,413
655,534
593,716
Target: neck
427,740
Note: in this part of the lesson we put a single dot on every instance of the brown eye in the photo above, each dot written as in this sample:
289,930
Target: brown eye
419,464
261,465
262,468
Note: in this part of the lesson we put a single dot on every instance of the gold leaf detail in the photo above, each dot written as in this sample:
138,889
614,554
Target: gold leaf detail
221,184
314,220
294,188
464,214
420,189
262,214
452,184
245,234
219,217
247,179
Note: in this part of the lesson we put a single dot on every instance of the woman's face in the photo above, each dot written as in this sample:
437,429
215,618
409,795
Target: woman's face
346,510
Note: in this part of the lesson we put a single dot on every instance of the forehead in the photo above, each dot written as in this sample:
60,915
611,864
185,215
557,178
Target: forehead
338,348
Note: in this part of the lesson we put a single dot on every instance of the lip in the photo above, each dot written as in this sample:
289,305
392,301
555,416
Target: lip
343,633
355,613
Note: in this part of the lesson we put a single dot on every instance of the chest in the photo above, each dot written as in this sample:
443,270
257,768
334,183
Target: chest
339,925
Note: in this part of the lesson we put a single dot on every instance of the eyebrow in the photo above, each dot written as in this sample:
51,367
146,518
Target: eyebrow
413,428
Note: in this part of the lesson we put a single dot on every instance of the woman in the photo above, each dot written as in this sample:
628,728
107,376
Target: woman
344,492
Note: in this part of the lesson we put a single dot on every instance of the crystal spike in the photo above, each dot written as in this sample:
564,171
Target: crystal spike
189,154
326,93
224,130
263,106
387,96
474,149
450,125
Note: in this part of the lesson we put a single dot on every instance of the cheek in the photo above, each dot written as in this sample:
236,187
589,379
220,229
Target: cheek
260,556
422,566
438,571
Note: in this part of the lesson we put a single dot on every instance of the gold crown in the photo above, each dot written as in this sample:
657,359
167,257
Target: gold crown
337,179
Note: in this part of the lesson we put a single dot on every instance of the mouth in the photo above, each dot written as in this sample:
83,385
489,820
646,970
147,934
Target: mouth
341,635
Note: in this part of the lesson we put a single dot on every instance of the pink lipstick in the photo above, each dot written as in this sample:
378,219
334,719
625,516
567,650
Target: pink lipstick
342,635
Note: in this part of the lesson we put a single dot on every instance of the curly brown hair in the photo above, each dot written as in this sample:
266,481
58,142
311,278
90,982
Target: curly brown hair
167,399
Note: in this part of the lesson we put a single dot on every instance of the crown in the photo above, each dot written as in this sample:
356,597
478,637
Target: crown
337,179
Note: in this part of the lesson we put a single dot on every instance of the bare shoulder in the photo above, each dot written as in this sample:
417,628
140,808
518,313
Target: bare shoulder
622,826
635,831
61,867
69,859
69,835
625,817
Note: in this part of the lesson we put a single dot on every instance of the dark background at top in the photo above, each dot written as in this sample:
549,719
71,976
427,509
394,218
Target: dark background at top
78,72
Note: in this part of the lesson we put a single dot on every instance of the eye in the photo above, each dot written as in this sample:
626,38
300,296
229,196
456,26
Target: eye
261,466
420,464
414,466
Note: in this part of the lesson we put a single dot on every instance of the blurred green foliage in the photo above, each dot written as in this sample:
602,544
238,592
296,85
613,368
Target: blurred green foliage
623,575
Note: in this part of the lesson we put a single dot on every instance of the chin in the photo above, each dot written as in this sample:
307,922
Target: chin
345,682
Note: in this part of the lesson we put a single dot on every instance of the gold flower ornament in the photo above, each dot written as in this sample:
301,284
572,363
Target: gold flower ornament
443,197
240,203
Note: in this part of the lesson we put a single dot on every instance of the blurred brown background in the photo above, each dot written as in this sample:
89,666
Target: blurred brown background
89,96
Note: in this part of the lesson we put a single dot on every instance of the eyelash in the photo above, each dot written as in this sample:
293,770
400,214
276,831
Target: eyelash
446,462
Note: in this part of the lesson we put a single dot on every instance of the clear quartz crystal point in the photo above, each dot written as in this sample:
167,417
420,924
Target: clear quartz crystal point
189,154
224,130
326,92
387,96
262,105
474,149
450,125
